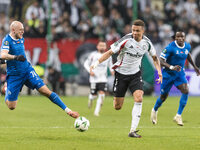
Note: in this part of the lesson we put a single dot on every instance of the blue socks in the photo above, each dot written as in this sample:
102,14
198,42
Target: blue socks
56,100
182,103
158,104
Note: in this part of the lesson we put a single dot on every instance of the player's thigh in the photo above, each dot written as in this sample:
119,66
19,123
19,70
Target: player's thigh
166,85
136,86
33,80
14,86
182,84
120,85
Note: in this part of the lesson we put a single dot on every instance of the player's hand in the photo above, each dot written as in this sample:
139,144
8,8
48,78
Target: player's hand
159,80
91,73
19,58
197,71
73,114
177,68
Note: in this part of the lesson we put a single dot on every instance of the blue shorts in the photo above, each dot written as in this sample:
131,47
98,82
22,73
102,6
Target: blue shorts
170,80
16,82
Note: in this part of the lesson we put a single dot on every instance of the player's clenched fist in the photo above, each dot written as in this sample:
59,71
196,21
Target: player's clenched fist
19,58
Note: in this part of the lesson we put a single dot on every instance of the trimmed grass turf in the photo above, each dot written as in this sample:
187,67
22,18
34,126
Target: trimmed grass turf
37,124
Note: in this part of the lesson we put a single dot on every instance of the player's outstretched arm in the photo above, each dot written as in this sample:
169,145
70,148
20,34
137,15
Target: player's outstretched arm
157,65
104,57
189,58
6,56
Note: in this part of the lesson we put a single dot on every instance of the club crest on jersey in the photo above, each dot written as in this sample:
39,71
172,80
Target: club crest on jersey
177,52
6,43
144,47
186,51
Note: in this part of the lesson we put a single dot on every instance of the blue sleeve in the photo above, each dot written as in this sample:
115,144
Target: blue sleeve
166,52
5,44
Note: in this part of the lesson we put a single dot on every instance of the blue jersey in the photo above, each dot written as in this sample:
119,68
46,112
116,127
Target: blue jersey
175,55
15,47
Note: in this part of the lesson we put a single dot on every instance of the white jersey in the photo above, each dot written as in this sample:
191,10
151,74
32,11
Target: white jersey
131,53
101,70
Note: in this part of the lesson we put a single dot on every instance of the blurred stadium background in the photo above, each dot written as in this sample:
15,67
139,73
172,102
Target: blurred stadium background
59,35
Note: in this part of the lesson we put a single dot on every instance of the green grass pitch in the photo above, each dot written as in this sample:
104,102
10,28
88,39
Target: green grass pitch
37,124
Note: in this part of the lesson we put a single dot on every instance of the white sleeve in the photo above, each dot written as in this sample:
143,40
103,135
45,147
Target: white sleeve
87,63
151,49
110,64
117,46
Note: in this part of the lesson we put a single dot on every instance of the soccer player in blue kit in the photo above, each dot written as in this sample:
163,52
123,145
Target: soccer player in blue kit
20,72
172,59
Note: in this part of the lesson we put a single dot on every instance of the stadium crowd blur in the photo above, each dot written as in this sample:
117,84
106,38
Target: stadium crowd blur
108,19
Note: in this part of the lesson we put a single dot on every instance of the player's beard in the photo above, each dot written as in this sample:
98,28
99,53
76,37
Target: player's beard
17,36
101,50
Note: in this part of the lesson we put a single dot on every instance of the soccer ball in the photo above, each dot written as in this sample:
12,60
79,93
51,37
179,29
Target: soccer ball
81,124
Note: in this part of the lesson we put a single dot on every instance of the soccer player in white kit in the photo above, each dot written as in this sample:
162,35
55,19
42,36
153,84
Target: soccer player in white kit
131,49
98,76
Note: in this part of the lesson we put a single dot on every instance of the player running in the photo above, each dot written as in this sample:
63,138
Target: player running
173,59
98,76
131,49
20,72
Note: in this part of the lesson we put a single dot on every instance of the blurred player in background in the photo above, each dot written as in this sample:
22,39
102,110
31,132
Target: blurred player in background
98,76
20,72
131,49
173,59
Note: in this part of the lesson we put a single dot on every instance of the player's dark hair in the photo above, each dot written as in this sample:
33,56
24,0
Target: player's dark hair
179,30
139,22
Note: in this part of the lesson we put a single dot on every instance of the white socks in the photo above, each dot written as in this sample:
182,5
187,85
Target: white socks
136,113
98,104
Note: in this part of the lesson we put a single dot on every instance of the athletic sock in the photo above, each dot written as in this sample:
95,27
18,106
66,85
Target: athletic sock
158,104
56,100
136,113
182,103
99,103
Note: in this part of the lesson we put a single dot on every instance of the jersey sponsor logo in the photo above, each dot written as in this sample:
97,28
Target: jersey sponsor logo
134,55
6,43
177,52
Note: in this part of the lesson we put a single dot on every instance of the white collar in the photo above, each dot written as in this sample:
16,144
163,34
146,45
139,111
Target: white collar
13,38
179,46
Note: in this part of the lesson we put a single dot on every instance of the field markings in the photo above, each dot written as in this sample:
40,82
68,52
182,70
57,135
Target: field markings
141,127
